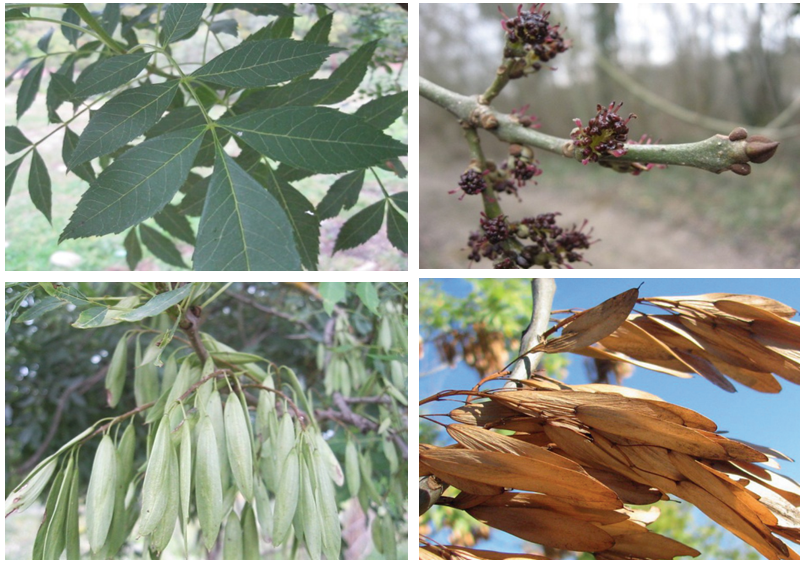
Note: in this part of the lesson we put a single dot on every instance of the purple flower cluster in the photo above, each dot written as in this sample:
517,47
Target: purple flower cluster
604,135
534,241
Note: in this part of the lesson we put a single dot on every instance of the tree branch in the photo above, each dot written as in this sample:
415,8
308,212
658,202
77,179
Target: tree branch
716,154
543,290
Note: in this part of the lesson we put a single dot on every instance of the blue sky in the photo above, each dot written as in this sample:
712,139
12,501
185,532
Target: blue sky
770,420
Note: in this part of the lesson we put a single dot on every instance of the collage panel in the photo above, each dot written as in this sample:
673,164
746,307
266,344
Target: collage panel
200,420
609,135
609,418
206,137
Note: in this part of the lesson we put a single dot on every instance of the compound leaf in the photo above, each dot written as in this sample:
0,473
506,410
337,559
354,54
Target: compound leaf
15,140
349,75
397,228
106,74
39,185
254,64
317,139
29,88
179,21
161,247
343,194
359,228
123,118
242,227
136,185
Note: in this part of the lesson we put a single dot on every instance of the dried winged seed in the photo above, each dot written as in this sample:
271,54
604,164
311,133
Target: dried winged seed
154,489
115,375
352,467
286,498
208,491
238,443
250,536
26,493
332,463
55,540
545,527
232,543
594,324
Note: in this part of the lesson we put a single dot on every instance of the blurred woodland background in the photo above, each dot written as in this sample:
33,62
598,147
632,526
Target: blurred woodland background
687,71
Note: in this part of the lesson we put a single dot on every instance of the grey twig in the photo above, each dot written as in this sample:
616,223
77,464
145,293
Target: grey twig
543,290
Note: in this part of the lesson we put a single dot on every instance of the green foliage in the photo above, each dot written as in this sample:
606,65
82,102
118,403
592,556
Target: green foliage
503,305
265,93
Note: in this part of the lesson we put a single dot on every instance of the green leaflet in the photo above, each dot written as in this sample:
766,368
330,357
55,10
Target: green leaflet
359,228
318,139
122,119
319,33
70,33
349,75
136,186
84,171
382,112
343,194
58,91
257,9
133,252
15,140
11,175
39,185
299,210
157,305
162,247
176,224
242,227
179,21
29,88
106,74
401,199
397,228
254,64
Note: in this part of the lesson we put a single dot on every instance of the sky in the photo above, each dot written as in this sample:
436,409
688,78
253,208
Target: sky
765,419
